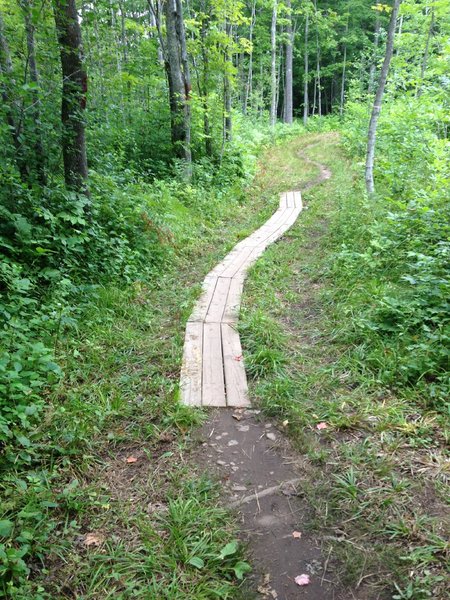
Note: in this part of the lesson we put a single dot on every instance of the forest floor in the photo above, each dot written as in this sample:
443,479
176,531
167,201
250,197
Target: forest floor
137,516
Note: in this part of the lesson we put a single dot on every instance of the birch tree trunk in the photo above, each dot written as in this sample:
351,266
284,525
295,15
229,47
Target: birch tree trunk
273,67
373,64
306,74
376,110
74,90
288,103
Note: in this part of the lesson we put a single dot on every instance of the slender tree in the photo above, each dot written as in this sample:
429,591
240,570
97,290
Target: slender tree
249,83
344,66
318,84
376,110
74,88
227,118
288,94
306,74
273,65
373,64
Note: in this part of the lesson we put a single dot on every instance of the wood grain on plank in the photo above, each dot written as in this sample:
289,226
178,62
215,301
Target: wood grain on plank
213,387
235,378
218,301
191,371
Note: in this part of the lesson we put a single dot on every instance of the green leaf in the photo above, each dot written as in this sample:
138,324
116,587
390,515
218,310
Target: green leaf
6,528
240,568
198,562
229,549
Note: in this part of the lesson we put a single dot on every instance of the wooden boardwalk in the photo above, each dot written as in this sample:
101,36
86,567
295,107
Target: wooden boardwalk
213,372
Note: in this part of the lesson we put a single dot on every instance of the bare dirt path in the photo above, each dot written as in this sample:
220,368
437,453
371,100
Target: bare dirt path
262,477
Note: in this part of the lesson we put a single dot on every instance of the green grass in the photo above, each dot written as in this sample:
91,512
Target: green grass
159,529
378,472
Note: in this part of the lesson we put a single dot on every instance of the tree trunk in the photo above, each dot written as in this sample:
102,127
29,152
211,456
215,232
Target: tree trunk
279,79
249,83
39,155
273,66
373,64
423,67
179,82
74,90
181,33
376,110
227,120
306,74
204,91
288,99
344,65
318,82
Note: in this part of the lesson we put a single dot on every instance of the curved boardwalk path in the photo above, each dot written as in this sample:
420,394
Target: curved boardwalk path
213,371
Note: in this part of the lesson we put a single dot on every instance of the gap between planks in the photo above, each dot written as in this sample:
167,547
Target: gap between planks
213,372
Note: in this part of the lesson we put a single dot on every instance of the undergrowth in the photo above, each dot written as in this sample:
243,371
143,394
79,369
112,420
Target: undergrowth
94,296
343,345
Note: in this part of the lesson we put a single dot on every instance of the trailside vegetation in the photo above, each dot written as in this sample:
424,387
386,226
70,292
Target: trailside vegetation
130,132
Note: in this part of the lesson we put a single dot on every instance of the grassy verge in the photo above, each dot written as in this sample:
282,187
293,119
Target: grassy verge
103,503
378,469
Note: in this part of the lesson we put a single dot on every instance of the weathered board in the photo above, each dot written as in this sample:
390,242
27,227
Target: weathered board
213,372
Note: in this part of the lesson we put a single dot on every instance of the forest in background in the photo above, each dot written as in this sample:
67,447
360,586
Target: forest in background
165,109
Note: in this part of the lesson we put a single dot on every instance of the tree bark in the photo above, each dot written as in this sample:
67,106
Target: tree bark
373,64
306,74
227,119
205,84
179,81
344,65
74,90
376,110
288,96
318,82
38,148
249,85
273,65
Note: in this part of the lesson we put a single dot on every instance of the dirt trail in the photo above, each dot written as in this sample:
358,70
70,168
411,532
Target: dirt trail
262,481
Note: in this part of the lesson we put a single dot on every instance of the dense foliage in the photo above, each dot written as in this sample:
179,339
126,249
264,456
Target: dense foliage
143,208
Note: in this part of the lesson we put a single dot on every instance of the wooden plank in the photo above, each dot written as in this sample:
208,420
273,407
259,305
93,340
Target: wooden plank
201,308
235,377
233,303
240,260
191,370
298,200
218,301
213,385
